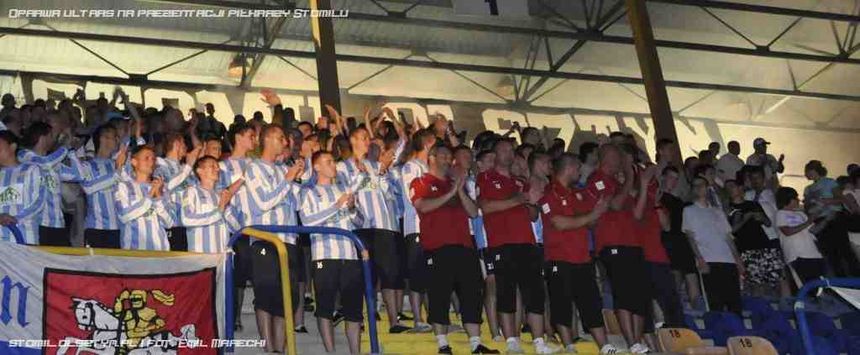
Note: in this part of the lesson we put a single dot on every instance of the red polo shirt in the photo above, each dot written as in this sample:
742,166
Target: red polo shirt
650,231
615,228
446,225
564,245
510,226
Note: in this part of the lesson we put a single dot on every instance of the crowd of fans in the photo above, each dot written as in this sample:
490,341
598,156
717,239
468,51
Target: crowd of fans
520,231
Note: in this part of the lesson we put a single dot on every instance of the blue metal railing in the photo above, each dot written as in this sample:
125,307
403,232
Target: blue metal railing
369,294
19,237
800,306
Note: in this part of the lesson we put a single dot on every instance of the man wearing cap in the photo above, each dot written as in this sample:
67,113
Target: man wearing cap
769,164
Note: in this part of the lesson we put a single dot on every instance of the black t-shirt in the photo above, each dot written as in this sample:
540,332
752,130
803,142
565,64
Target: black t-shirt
675,207
750,236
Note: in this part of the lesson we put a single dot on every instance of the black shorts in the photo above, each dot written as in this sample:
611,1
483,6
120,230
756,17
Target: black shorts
489,267
385,253
266,276
628,278
178,238
680,253
102,238
338,277
454,268
242,262
416,265
58,237
518,266
569,283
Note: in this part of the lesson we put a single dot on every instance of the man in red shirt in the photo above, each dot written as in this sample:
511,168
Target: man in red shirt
652,219
617,244
567,214
508,208
444,208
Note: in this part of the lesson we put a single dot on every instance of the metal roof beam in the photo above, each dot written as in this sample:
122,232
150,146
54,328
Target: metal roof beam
761,51
762,9
415,63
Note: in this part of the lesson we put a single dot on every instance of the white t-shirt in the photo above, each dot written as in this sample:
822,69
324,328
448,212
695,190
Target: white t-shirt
801,244
728,167
710,228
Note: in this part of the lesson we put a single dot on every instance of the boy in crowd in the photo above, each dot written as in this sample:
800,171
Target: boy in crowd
337,269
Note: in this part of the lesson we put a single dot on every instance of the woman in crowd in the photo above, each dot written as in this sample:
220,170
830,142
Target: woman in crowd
823,204
798,243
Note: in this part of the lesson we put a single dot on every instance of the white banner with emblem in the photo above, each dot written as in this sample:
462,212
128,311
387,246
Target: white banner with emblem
107,304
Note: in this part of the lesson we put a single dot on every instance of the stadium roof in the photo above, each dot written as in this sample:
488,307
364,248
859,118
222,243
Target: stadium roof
787,63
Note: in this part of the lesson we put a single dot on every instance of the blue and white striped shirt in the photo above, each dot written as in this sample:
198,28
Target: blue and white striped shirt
100,185
230,170
54,172
319,208
208,227
476,224
370,191
273,199
176,178
395,197
537,229
143,218
412,170
22,197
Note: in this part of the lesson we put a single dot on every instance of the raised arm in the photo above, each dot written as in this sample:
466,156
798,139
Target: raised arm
642,196
92,184
466,200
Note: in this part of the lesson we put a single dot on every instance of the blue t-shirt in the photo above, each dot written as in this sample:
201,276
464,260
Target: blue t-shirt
821,189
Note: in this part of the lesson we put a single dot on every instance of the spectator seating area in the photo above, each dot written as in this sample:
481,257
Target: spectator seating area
836,329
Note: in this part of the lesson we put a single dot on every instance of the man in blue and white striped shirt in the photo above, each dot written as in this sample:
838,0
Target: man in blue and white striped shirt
140,205
369,182
39,139
243,139
100,184
337,269
273,201
204,209
415,168
21,194
176,178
